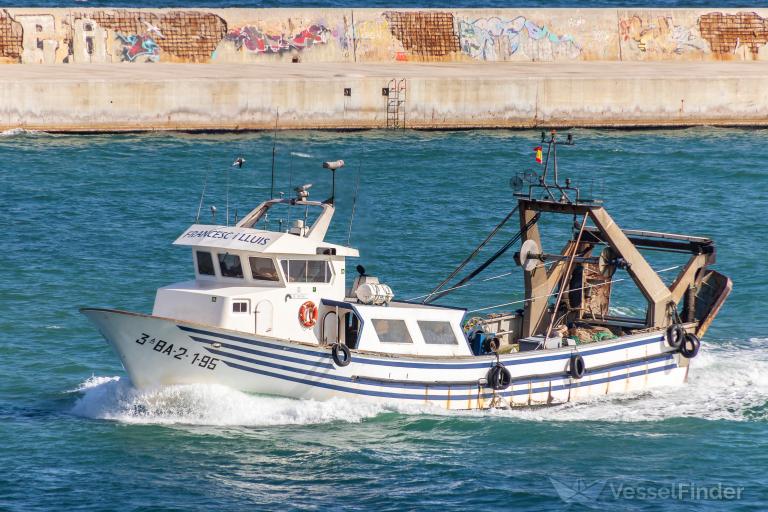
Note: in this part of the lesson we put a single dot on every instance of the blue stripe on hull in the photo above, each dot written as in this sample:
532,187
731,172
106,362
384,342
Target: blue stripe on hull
421,386
445,397
317,364
487,360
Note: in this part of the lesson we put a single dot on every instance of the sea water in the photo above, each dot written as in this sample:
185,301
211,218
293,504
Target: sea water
88,221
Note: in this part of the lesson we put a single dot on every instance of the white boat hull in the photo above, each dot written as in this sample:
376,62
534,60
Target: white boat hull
161,351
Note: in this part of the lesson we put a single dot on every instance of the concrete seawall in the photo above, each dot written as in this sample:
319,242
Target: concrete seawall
109,69
451,95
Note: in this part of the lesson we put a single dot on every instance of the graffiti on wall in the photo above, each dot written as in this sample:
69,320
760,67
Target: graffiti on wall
497,38
124,35
424,34
40,40
140,47
255,40
187,36
660,35
726,33
109,36
366,36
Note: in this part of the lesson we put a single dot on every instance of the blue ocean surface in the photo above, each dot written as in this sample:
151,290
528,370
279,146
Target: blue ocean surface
89,221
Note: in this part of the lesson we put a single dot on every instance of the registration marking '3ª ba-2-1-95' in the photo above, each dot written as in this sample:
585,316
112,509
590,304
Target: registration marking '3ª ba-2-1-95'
180,353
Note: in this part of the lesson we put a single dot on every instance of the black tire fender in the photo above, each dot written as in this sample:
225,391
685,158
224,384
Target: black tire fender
576,366
675,336
499,377
690,346
341,354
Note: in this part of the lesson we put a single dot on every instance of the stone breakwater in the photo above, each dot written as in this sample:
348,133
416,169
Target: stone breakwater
106,69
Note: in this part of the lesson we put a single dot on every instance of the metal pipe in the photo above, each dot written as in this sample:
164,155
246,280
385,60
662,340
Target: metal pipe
566,277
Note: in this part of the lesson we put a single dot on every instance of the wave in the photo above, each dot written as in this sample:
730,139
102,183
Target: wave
301,155
726,382
114,398
16,132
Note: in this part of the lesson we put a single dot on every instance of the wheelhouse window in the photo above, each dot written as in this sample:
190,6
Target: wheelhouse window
263,269
240,306
437,333
307,271
204,263
391,331
230,265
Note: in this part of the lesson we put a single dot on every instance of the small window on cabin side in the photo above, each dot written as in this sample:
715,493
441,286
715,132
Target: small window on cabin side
263,269
437,333
205,263
307,271
230,265
391,331
240,306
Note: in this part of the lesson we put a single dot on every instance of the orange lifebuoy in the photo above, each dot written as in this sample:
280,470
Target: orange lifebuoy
308,314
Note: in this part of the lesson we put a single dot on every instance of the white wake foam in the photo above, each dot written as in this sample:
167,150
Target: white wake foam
15,132
113,398
726,381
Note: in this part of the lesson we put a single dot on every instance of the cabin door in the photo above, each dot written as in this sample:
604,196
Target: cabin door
330,328
263,314
351,329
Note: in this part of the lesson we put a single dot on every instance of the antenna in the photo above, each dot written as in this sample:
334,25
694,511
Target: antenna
202,195
550,186
239,161
354,203
290,186
274,150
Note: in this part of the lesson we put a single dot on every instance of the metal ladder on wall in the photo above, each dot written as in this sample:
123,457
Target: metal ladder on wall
396,96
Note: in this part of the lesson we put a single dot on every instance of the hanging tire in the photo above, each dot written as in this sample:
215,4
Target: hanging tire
499,377
577,367
690,346
675,335
341,354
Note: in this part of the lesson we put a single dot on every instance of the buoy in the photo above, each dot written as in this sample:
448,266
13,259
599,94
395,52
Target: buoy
308,314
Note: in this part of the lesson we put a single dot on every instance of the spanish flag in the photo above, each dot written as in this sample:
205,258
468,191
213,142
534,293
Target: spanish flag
539,159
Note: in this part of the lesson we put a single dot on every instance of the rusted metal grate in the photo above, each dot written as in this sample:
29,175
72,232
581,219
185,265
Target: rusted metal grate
428,34
11,37
725,32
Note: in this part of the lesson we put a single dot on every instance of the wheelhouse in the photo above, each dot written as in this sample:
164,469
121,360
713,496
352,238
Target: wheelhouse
268,267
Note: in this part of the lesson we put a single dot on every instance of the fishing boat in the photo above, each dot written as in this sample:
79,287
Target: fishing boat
269,311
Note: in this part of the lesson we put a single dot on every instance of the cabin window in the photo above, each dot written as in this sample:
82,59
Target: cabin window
263,269
391,331
205,263
240,306
437,333
307,271
230,265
